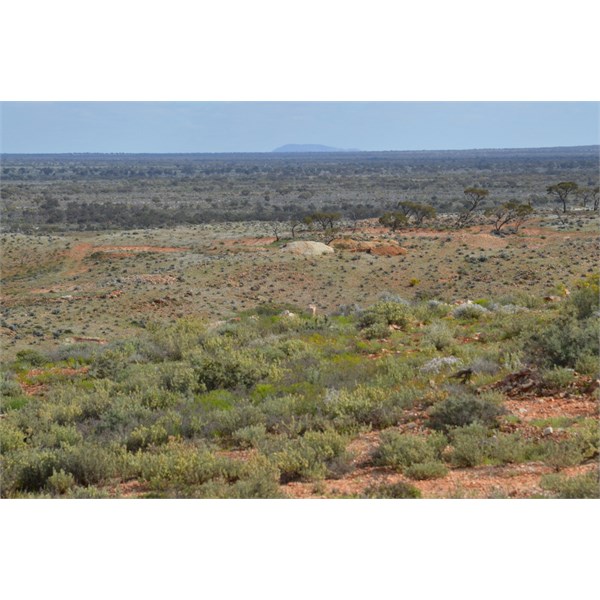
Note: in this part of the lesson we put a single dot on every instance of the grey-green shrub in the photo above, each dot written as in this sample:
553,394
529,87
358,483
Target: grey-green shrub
470,445
564,342
469,311
426,470
399,491
439,335
460,410
579,486
402,450
313,456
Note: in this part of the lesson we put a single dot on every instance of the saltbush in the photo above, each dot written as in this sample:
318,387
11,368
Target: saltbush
564,342
579,486
469,311
426,470
313,456
460,410
439,335
402,450
386,313
470,445
399,491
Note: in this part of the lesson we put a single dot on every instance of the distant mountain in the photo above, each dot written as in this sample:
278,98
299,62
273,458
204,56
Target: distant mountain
312,148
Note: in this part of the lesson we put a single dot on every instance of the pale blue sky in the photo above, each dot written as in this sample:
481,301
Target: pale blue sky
48,127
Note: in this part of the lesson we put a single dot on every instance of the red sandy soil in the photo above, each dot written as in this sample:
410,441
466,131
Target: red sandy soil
529,409
79,252
38,389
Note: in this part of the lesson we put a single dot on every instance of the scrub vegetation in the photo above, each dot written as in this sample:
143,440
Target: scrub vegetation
443,349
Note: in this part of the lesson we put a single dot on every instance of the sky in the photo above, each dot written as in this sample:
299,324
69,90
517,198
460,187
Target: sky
163,127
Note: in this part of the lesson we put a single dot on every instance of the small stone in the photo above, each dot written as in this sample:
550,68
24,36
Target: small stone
548,431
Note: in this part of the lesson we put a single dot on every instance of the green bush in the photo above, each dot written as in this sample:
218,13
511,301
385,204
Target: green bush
142,437
469,311
401,450
27,470
400,491
564,342
172,341
179,465
11,437
365,405
439,335
563,453
461,410
386,313
228,368
9,403
427,470
57,436
586,297
89,492
251,436
59,483
511,448
258,478
180,378
558,377
587,435
31,357
376,331
9,386
113,360
580,486
470,445
314,456
90,464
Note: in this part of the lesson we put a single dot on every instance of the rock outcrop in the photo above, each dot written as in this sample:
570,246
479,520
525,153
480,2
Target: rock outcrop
307,248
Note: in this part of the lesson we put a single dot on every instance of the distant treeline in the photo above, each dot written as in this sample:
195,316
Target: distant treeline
99,191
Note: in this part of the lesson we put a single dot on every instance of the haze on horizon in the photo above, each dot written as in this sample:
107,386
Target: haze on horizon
190,127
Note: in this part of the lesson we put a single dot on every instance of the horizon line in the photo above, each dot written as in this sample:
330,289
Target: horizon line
336,151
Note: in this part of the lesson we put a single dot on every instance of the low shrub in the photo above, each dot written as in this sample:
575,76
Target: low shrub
469,311
31,357
11,437
564,342
365,405
56,435
59,483
179,465
172,341
385,314
9,386
586,298
252,436
27,470
461,410
399,491
470,445
558,377
228,368
439,335
577,487
563,453
402,450
426,470
314,456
